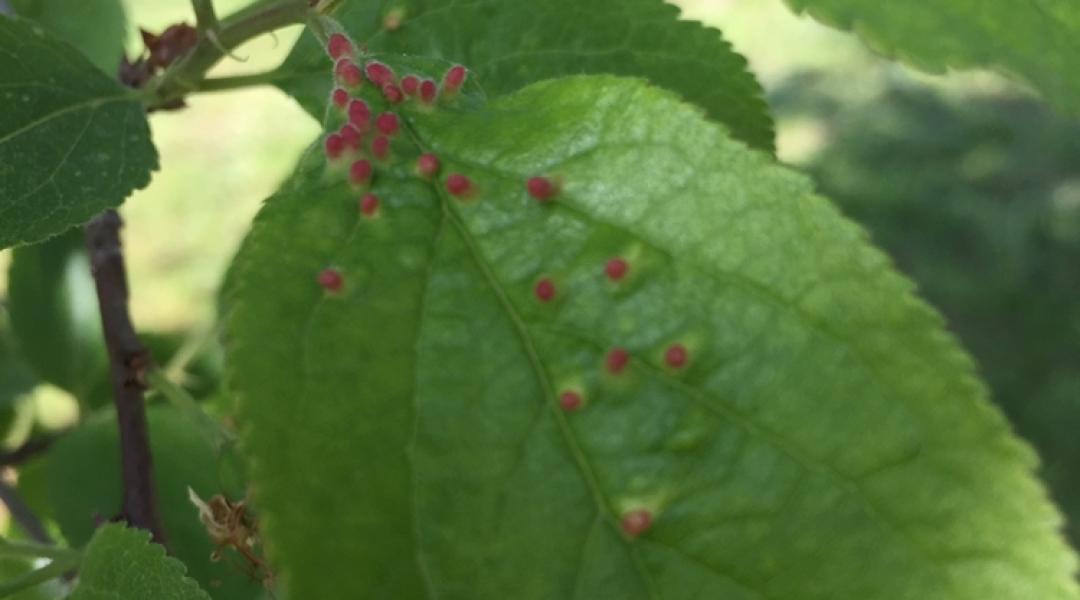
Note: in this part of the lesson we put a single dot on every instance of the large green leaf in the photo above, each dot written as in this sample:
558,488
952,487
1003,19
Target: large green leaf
1034,40
84,488
511,43
122,564
72,141
96,28
826,440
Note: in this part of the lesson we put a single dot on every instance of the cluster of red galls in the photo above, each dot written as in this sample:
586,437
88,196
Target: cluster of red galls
351,144
348,144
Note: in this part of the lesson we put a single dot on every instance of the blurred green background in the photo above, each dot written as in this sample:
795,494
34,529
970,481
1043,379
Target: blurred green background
969,181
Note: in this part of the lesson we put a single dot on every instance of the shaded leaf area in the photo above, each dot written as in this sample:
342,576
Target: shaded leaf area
978,200
122,563
72,141
97,28
82,488
16,378
510,44
825,439
1036,41
54,314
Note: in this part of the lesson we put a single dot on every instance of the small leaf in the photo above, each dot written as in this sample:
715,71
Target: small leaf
72,141
122,564
54,313
1035,41
753,406
511,43
96,28
84,484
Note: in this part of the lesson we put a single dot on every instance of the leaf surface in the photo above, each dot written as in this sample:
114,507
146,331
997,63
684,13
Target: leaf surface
824,439
72,141
96,28
16,378
122,564
511,43
1037,41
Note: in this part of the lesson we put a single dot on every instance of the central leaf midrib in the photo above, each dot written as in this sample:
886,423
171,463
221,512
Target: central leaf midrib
581,460
588,472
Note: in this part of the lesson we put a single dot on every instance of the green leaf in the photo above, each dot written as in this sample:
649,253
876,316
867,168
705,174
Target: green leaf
96,28
84,483
1035,41
16,379
989,229
72,141
122,564
826,440
511,43
54,313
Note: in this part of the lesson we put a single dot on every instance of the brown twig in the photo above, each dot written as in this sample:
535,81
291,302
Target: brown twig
129,361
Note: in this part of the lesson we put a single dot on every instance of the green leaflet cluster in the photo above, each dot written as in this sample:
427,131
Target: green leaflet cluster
600,350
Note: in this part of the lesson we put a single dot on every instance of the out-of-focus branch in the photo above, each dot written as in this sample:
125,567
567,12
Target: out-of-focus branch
28,450
23,515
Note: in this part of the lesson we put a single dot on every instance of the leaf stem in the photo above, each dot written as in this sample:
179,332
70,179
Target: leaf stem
224,84
9,548
128,360
205,16
57,568
183,401
187,74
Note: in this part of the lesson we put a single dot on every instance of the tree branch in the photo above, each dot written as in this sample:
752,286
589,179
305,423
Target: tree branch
257,19
23,515
28,450
128,361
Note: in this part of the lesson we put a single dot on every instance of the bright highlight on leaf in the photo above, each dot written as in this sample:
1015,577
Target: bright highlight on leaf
767,401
